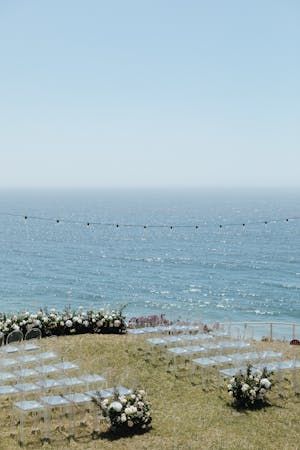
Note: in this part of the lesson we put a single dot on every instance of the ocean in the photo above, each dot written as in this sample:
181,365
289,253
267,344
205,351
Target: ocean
210,273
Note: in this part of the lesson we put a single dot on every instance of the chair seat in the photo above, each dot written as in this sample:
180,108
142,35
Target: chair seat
6,376
27,387
7,390
29,405
54,400
92,378
66,365
78,398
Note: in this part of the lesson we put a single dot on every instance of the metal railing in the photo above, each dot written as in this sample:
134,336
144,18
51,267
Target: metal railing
267,330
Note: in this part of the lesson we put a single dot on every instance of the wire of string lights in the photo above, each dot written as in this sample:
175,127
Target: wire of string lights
145,226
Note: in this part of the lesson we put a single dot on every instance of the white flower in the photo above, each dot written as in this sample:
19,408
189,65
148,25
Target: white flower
69,323
62,323
245,387
130,423
258,373
252,393
123,400
230,393
86,323
16,327
232,380
265,383
123,417
117,406
117,323
229,387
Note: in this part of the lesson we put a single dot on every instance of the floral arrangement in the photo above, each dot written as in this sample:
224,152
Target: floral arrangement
249,389
126,414
66,322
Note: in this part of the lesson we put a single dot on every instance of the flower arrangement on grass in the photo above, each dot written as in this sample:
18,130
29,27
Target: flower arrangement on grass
249,389
66,322
126,414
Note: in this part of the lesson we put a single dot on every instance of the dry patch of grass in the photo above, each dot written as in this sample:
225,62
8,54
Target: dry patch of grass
191,409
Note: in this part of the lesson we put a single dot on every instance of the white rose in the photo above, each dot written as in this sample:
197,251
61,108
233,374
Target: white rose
62,323
86,323
123,400
128,410
245,387
123,417
117,323
130,423
117,406
252,393
265,383
229,387
69,323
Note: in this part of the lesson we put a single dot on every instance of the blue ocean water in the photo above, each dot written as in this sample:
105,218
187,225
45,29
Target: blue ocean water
230,273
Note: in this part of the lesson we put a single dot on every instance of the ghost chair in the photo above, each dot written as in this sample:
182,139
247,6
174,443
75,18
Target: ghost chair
57,412
14,337
33,335
81,406
2,338
31,409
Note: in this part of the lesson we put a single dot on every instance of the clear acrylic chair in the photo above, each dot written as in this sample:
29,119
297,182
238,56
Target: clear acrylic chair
2,338
56,415
31,409
81,407
14,337
33,335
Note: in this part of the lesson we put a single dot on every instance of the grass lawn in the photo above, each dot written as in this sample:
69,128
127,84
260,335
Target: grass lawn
190,407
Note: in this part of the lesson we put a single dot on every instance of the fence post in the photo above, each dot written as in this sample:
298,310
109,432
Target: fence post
271,331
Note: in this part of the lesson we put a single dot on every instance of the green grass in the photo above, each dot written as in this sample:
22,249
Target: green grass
190,407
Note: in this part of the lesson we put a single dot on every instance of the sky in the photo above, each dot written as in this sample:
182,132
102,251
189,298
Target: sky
160,93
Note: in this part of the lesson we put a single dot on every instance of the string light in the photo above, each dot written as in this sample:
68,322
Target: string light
132,225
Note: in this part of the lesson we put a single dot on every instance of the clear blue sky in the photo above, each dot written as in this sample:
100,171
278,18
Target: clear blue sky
149,93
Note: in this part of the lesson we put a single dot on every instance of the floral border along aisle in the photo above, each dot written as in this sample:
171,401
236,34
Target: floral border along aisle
126,414
65,322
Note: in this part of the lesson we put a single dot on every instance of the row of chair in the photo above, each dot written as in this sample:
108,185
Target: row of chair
16,336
